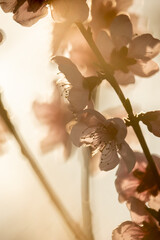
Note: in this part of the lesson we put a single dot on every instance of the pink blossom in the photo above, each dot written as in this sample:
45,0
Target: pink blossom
132,231
104,11
128,55
152,120
80,88
138,211
28,12
55,115
107,136
139,183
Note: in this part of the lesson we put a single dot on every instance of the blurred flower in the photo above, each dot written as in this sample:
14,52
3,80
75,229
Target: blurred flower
80,88
152,120
106,136
65,13
69,10
128,55
139,183
28,12
104,11
55,115
132,231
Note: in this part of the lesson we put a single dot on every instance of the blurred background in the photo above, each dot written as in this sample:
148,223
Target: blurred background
26,75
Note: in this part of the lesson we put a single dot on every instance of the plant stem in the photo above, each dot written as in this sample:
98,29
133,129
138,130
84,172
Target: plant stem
86,212
87,34
74,227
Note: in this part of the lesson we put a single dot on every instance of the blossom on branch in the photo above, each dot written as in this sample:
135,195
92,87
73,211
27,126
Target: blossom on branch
128,55
104,11
107,136
139,183
80,89
132,231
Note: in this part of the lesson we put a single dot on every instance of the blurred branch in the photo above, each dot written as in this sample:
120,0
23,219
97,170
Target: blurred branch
86,211
87,34
74,227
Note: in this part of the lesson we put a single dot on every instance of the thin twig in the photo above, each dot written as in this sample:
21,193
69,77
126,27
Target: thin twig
74,227
87,34
86,212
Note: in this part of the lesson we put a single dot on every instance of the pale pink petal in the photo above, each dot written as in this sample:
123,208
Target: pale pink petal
78,98
26,18
45,112
8,5
127,155
76,133
59,32
69,10
69,69
124,78
92,118
152,120
109,157
128,231
105,44
144,47
144,69
121,31
138,211
121,129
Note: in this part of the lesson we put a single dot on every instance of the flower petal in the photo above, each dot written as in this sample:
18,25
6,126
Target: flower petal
104,44
109,157
128,231
127,155
121,31
78,99
144,47
124,78
144,69
70,10
26,18
8,5
76,133
69,69
152,120
138,211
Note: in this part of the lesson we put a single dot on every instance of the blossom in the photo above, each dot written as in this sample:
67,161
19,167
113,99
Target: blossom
104,11
55,115
152,120
106,136
132,231
128,55
81,88
28,12
139,183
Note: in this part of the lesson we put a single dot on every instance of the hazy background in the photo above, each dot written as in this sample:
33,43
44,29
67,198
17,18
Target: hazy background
26,75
